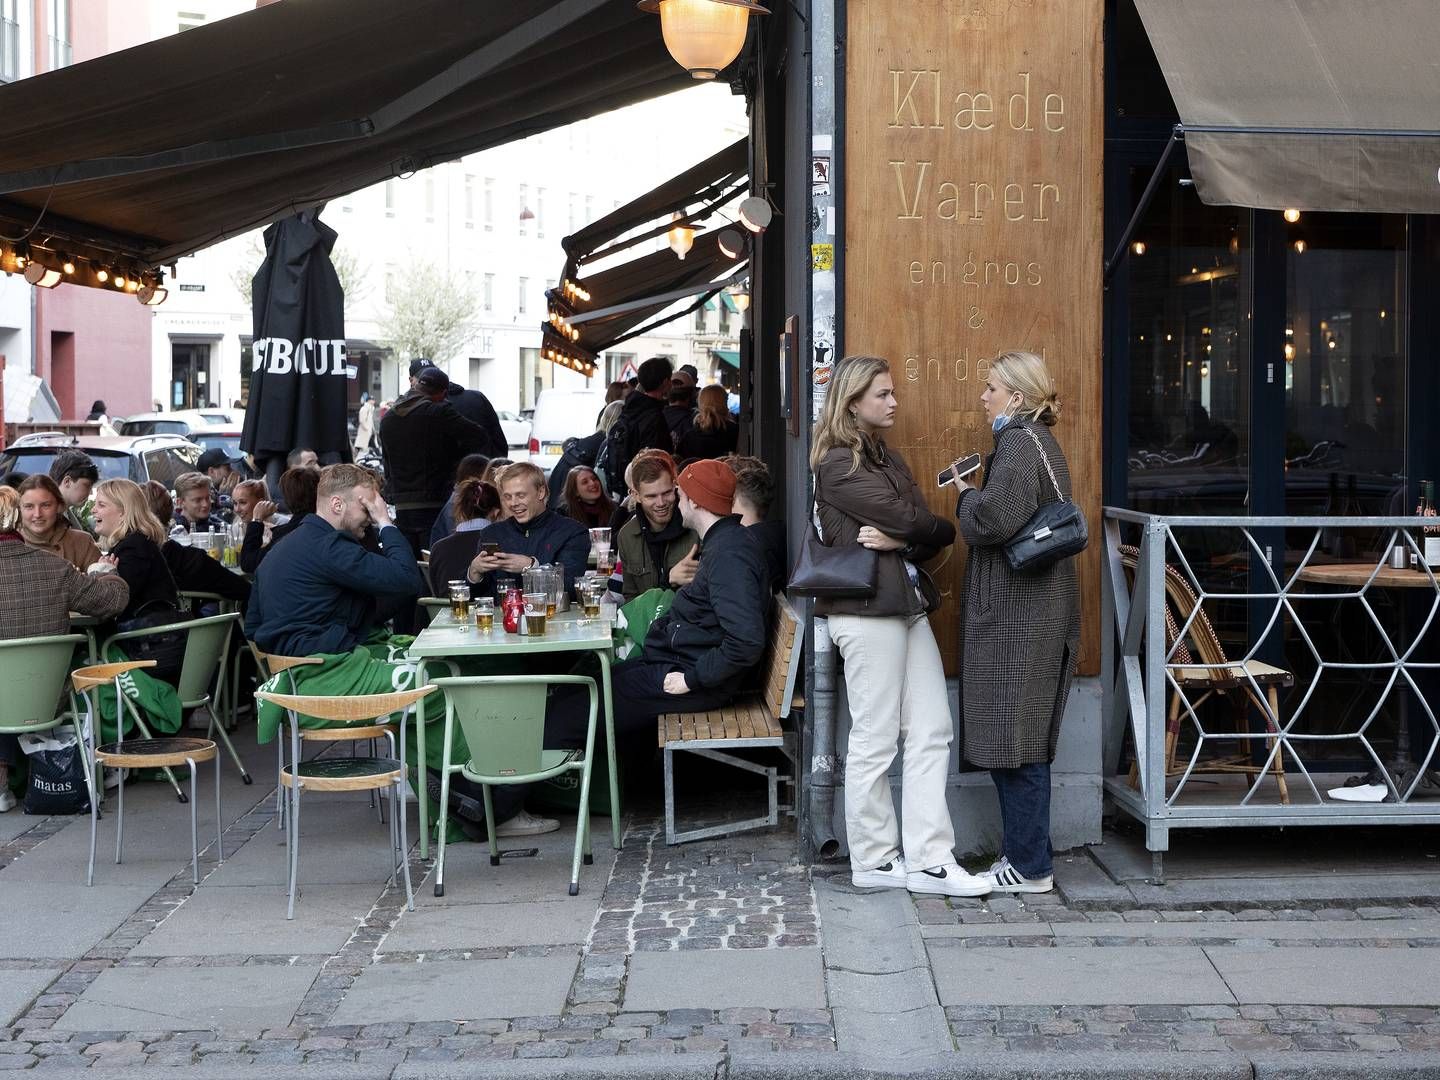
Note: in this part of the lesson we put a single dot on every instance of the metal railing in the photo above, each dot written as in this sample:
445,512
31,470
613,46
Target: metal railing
1155,680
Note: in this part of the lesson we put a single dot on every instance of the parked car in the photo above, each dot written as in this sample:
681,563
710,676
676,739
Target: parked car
138,458
179,422
226,437
561,415
517,431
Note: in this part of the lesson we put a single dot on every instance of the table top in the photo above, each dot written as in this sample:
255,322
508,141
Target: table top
567,632
1357,574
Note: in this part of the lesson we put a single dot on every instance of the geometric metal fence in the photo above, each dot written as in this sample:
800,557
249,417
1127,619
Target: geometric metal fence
1162,662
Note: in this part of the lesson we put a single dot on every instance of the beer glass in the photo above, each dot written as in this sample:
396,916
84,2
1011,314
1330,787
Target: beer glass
485,614
536,604
460,601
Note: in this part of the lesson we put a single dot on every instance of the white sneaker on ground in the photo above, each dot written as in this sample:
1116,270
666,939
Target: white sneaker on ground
7,800
888,875
1006,879
948,880
525,823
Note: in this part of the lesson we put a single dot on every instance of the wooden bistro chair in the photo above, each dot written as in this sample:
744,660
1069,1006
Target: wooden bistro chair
747,724
146,753
349,718
1215,673
269,665
503,718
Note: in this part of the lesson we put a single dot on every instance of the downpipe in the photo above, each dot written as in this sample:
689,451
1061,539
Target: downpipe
820,815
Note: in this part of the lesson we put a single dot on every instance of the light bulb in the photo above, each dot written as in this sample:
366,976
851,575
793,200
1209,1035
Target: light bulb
102,275
1292,215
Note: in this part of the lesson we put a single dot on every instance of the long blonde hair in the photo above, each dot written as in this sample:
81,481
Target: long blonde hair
135,513
1026,373
836,426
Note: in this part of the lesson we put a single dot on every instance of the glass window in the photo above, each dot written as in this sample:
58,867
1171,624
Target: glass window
520,298
525,213
59,33
489,204
9,40
487,292
540,212
1188,271
1139,87
469,202
390,198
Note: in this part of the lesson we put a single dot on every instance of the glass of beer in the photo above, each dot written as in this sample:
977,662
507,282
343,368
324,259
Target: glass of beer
484,614
590,592
460,601
536,605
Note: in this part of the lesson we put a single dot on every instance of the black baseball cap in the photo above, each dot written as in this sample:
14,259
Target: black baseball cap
433,379
214,458
419,365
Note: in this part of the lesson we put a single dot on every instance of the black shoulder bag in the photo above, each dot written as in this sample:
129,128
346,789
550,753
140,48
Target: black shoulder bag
847,572
1056,531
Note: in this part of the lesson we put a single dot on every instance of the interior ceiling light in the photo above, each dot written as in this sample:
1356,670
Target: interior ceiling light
680,237
42,276
703,36
755,213
732,244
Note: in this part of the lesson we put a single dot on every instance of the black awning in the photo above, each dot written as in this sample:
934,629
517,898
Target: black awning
1311,104
160,150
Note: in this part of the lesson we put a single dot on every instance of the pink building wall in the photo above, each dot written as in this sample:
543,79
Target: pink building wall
92,344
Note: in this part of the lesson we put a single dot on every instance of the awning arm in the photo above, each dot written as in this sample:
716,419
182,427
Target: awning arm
466,70
641,331
659,298
1177,133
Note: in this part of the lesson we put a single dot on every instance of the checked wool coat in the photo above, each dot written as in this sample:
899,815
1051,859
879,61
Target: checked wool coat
1020,633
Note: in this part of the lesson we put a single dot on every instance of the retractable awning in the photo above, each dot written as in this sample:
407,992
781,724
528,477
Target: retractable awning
160,150
1312,104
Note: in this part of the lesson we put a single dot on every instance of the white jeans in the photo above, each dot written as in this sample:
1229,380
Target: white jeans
895,685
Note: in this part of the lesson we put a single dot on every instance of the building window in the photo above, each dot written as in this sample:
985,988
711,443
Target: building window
190,19
59,34
489,204
389,198
487,292
469,202
574,210
525,213
430,198
589,209
524,288
392,273
540,212
9,40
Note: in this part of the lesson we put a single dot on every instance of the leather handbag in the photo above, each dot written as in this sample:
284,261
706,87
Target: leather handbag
846,572
1056,531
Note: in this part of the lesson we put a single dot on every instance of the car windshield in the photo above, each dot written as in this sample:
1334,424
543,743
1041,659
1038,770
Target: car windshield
229,443
38,459
154,427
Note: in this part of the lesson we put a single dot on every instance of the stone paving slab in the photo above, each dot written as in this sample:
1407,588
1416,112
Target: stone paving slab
522,877
188,999
458,990
480,926
1337,976
859,929
19,988
909,1034
1276,930
341,843
1272,891
157,845
718,979
62,920
251,920
15,822
1148,975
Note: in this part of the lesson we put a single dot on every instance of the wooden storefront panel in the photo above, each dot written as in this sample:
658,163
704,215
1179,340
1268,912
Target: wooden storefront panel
973,225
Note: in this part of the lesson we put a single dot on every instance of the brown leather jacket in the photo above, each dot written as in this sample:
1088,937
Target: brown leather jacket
883,494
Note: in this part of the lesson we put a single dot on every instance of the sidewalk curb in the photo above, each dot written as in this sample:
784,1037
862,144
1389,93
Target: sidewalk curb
1342,1066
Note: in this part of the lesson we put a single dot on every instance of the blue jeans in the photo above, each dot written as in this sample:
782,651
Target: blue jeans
1025,818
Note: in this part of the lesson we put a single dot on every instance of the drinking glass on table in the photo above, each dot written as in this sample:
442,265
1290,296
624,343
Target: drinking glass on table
485,614
536,604
460,601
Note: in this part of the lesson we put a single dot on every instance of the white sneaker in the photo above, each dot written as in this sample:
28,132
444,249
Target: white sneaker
948,880
888,875
1006,879
7,801
525,823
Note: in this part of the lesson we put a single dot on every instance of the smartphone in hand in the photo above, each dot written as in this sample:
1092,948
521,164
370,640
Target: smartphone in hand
965,466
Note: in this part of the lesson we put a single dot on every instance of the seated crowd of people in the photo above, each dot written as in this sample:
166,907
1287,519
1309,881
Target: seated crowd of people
338,573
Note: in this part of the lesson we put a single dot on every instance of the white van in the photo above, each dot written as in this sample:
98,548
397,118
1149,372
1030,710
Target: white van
561,415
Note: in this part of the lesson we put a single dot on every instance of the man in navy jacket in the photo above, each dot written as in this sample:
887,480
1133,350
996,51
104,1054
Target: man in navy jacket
531,534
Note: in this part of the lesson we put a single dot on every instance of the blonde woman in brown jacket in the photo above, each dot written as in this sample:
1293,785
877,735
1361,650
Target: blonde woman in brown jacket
894,680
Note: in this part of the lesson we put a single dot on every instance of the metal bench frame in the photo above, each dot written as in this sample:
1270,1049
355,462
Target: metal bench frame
778,698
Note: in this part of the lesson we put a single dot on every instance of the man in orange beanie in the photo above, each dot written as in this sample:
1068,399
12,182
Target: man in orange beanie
707,648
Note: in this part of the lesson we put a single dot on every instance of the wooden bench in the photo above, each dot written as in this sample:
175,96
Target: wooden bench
748,724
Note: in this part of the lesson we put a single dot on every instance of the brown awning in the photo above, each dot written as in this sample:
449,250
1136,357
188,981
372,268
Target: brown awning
160,150
1313,104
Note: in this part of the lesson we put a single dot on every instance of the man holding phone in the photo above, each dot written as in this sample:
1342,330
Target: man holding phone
531,535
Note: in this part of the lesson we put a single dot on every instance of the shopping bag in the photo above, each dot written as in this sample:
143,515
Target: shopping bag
57,772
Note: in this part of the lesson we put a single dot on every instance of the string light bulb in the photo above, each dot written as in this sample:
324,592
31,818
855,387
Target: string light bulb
1138,247
1292,215
102,275
67,268
680,237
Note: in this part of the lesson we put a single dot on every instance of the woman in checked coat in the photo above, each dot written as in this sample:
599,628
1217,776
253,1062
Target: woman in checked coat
1020,633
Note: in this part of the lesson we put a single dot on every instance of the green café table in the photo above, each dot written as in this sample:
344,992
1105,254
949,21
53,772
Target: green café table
445,639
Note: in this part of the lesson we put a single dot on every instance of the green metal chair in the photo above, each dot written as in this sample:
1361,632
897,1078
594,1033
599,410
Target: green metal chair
207,652
33,672
433,606
503,718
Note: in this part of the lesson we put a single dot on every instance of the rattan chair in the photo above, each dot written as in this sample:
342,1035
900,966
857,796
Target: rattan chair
1214,674
144,753
349,718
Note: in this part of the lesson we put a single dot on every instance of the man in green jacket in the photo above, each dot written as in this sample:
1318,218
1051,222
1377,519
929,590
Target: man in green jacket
655,549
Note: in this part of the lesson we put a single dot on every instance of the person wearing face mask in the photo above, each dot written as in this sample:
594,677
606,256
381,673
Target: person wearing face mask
1020,632
894,679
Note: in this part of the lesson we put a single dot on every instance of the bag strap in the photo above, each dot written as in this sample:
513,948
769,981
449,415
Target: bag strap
1045,458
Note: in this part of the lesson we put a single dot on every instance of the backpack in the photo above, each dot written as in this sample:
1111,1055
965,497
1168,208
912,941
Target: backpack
614,457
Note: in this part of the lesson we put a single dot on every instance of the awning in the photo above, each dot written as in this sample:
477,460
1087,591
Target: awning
729,302
160,150
1312,104
727,356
